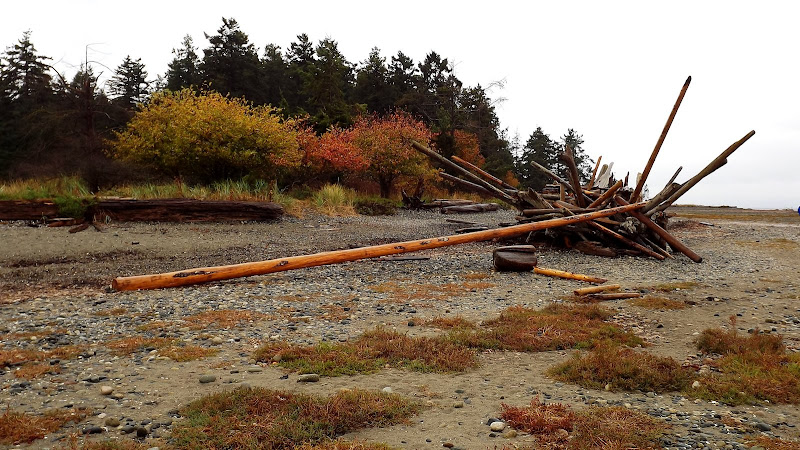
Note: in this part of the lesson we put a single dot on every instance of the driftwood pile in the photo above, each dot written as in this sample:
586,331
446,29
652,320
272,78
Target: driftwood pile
636,232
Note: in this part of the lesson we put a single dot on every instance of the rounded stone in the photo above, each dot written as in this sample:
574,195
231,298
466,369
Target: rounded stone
208,378
106,390
308,378
497,426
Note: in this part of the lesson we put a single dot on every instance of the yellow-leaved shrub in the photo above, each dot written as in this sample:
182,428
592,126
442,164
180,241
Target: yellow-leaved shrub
206,136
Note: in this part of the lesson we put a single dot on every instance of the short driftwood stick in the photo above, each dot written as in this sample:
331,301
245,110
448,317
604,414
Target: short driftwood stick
607,195
612,296
596,289
672,240
568,275
207,274
594,172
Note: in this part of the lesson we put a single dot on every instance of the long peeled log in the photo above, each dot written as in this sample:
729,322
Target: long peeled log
672,240
638,190
464,172
718,162
207,274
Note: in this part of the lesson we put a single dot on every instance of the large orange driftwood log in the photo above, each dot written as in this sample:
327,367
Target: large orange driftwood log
207,274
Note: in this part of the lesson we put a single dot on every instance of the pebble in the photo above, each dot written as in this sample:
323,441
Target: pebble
497,426
208,378
308,378
387,390
112,422
106,390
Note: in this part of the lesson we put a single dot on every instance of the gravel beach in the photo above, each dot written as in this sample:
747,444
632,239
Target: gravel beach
54,293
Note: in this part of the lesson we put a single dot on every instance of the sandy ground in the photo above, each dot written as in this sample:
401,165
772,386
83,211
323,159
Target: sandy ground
751,270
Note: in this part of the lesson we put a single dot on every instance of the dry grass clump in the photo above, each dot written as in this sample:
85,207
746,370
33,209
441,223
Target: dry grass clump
371,352
23,428
29,360
265,419
751,369
675,286
183,353
127,444
409,292
558,426
555,327
623,368
111,312
224,318
341,444
653,302
133,344
773,443
31,371
448,323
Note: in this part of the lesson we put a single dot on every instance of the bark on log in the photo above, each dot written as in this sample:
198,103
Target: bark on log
207,274
27,210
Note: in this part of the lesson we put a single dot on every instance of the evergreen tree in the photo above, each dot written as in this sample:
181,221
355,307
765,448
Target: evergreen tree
183,69
582,160
129,86
372,84
230,64
330,87
402,79
300,58
26,92
543,150
274,71
25,75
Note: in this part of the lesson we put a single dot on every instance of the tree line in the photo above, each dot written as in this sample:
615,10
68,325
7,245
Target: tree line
51,125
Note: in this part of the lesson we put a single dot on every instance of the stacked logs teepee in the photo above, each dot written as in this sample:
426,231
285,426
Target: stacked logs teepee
637,232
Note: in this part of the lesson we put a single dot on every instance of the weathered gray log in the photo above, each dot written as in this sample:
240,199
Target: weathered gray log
185,210
475,208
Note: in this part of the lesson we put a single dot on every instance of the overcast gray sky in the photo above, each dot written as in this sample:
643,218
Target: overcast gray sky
609,69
